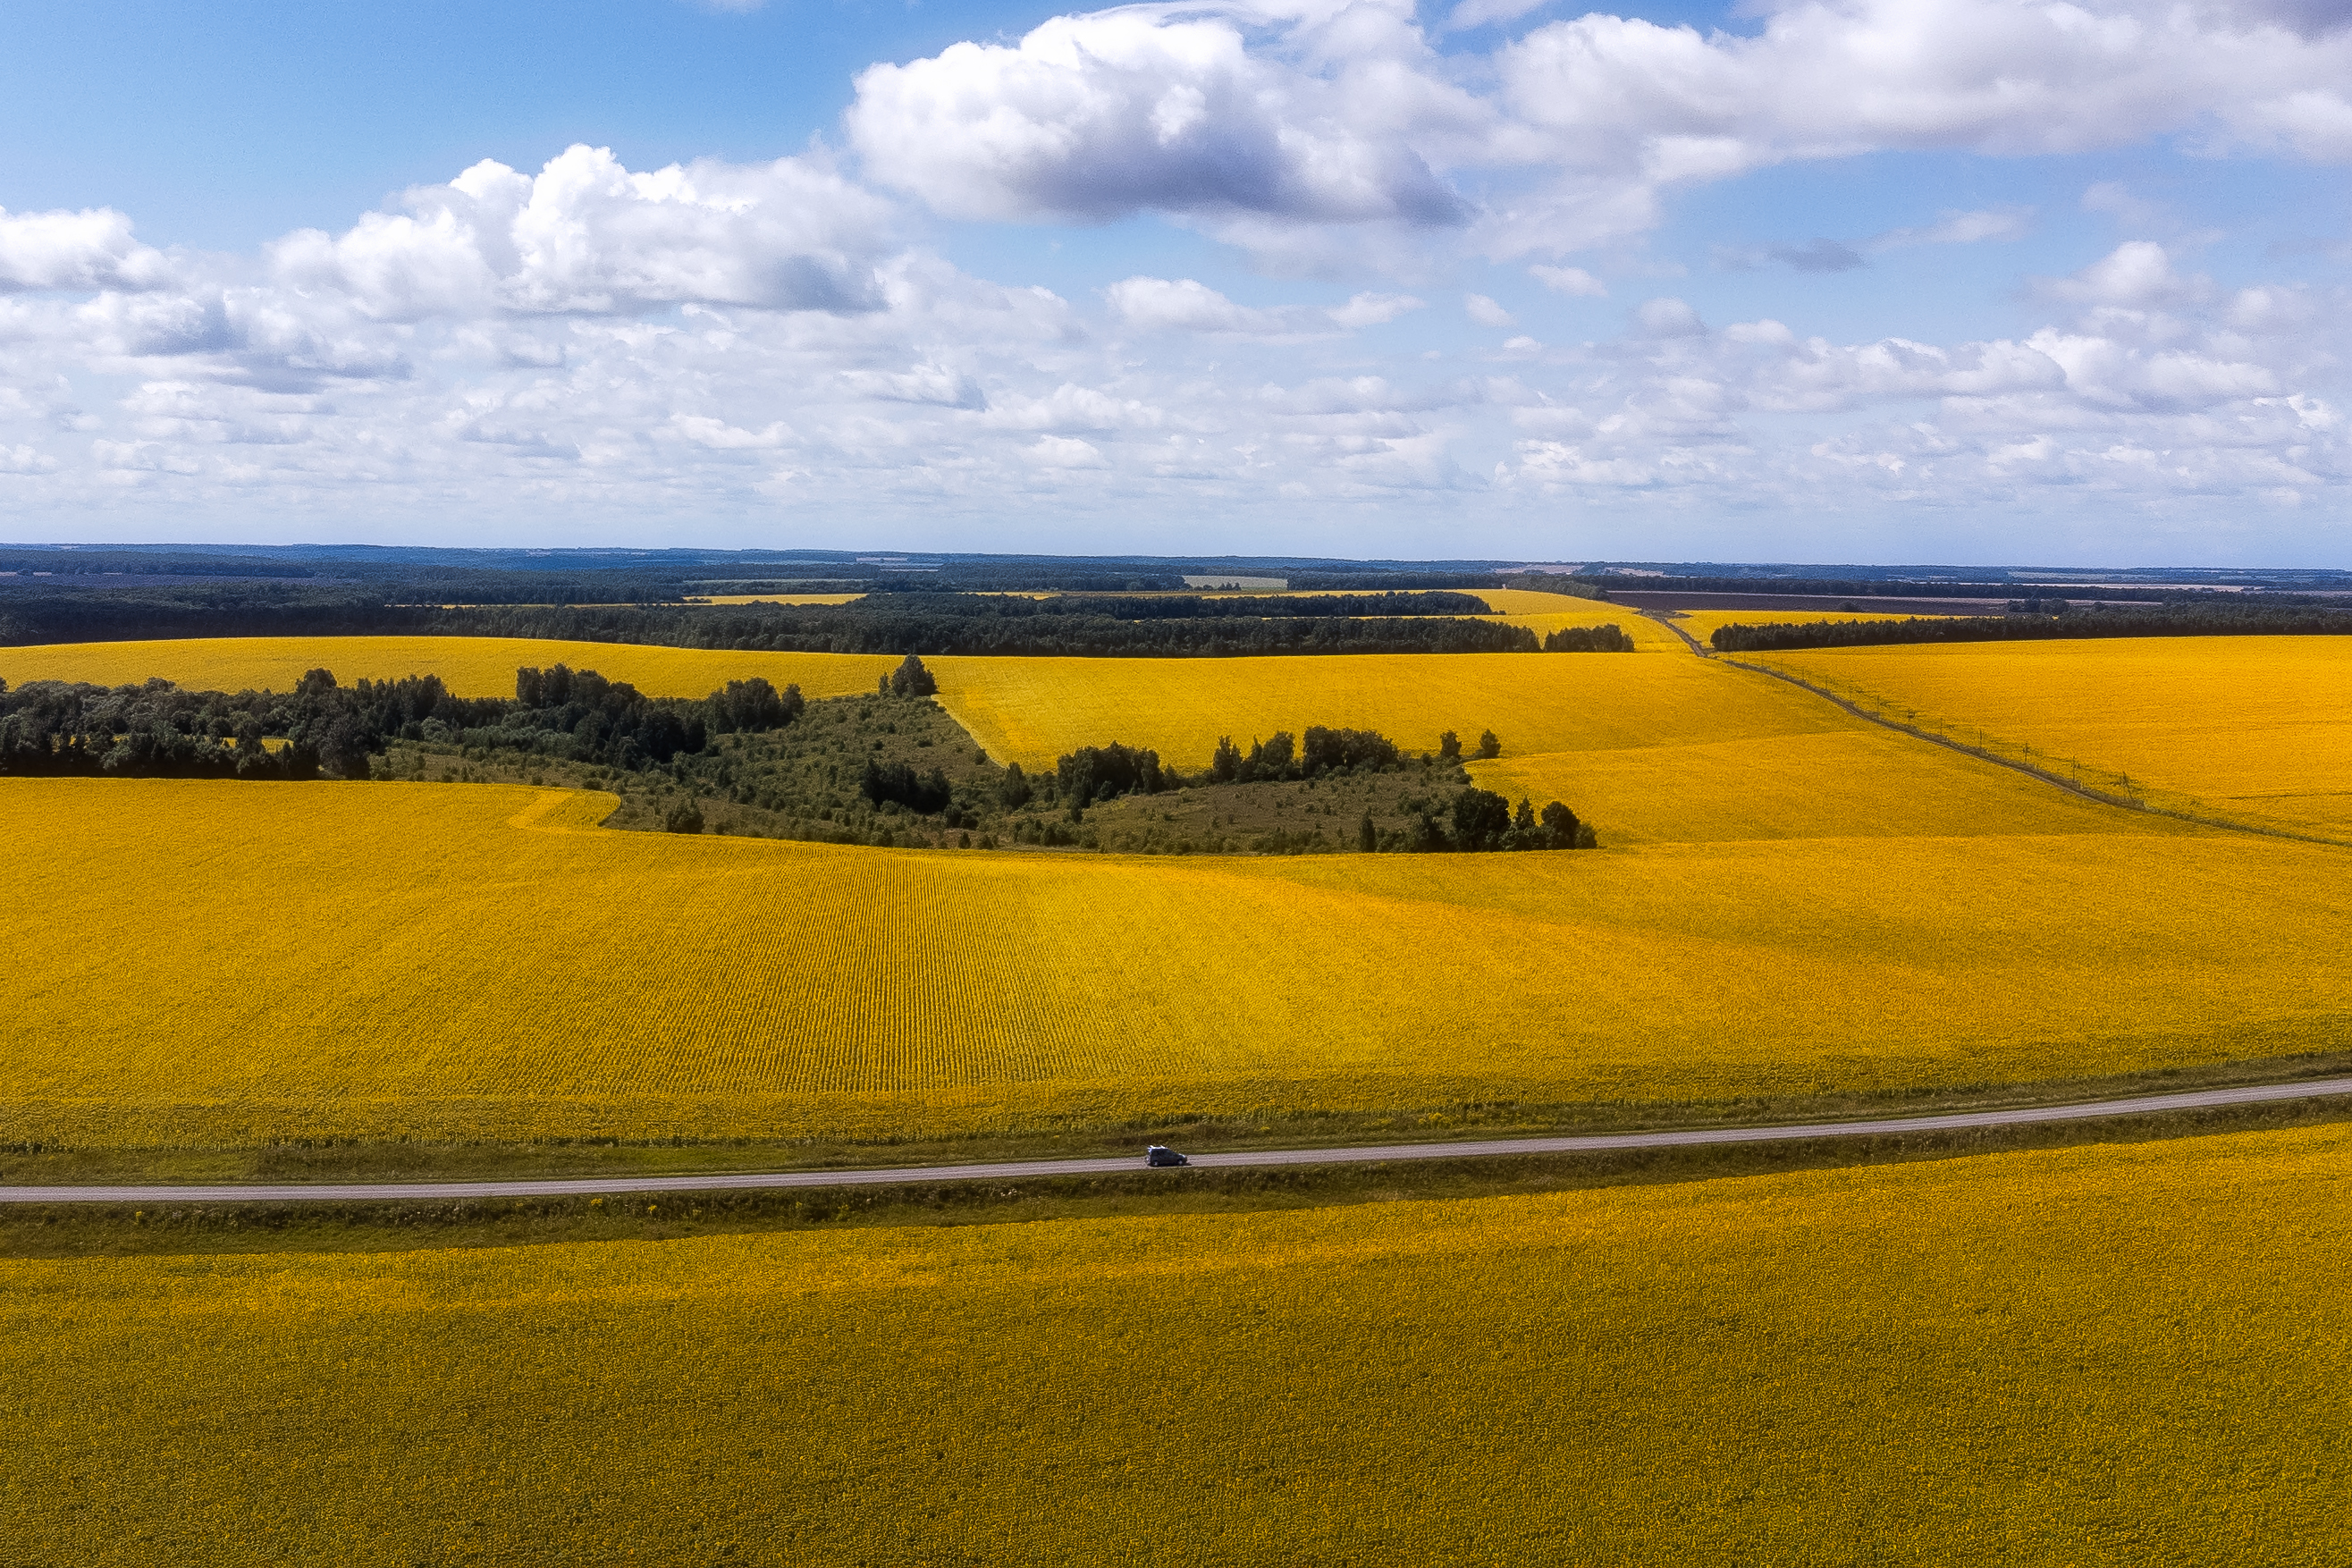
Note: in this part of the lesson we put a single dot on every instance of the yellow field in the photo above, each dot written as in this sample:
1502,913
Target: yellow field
2252,729
197,963
1030,711
472,666
1856,781
2118,1355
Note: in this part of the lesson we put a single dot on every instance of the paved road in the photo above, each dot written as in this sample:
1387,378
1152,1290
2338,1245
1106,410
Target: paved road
1596,1143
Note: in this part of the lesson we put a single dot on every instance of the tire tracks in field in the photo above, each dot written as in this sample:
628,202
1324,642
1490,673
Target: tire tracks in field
1587,1144
2100,797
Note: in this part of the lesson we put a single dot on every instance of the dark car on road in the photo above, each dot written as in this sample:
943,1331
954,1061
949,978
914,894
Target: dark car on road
1158,1154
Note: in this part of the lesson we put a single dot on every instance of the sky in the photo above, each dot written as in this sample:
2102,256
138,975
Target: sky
1961,281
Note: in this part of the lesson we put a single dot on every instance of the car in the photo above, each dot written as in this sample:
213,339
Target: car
1158,1154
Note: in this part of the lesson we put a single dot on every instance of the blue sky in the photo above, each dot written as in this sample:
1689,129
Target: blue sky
1965,280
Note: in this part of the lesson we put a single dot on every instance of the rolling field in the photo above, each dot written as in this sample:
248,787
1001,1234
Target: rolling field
2109,1355
1855,781
1032,709
220,965
2257,729
470,667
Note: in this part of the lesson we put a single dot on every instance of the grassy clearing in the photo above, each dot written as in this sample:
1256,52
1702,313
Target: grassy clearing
2101,1355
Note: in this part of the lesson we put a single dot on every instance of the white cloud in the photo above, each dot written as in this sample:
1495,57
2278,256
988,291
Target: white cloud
1065,452
1486,312
90,249
1093,116
925,383
1991,224
1667,316
1267,123
1573,280
603,349
1471,14
587,235
1372,311
2137,274
1182,304
1187,305
719,436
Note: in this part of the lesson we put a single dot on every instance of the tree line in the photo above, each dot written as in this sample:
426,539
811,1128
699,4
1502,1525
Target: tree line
976,624
2208,619
1607,638
897,623
325,729
1479,821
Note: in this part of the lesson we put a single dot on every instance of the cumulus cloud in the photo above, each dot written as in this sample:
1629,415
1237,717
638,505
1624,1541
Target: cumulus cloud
722,341
1263,121
1486,312
90,249
1668,317
929,384
2137,274
586,235
1186,305
1569,281
1093,116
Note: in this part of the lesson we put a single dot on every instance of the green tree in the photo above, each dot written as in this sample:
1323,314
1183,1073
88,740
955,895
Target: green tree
344,750
684,817
1368,838
911,679
1563,831
1481,818
1449,747
1488,746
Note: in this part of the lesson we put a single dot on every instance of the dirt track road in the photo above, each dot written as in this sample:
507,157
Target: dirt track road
1596,1143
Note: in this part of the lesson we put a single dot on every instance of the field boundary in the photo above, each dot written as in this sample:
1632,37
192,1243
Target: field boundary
2121,803
1590,1143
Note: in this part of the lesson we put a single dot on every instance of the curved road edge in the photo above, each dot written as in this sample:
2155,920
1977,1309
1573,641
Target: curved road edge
1590,1144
